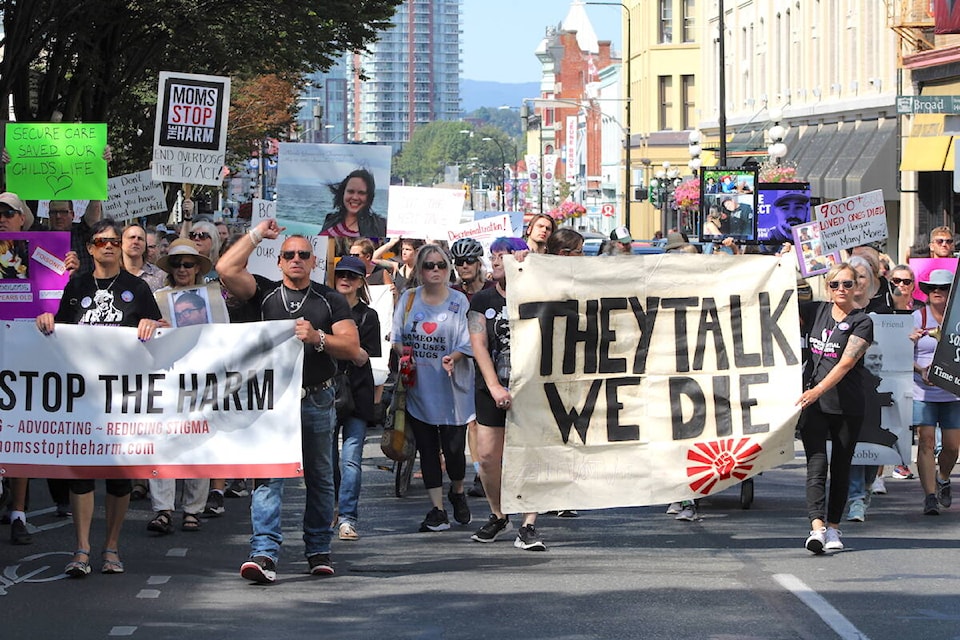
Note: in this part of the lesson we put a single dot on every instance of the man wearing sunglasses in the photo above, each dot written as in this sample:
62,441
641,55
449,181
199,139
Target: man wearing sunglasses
941,243
325,325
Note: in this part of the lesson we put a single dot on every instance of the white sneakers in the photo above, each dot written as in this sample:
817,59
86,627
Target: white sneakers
824,539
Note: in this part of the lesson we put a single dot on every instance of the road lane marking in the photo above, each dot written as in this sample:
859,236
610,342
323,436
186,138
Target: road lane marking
158,579
818,604
177,552
122,631
149,593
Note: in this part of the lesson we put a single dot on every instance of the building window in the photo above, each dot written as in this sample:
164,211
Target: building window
689,89
666,102
689,13
666,21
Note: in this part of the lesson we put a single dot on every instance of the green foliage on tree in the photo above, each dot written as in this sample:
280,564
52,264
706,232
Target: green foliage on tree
99,60
436,145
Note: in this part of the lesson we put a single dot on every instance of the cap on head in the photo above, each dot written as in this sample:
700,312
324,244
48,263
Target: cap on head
621,234
351,264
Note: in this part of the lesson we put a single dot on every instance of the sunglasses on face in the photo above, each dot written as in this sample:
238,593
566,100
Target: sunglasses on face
930,288
303,255
9,213
462,261
182,264
430,266
943,240
349,275
100,243
837,284
906,281
199,235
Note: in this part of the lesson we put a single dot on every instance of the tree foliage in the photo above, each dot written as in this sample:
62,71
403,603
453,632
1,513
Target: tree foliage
435,145
99,60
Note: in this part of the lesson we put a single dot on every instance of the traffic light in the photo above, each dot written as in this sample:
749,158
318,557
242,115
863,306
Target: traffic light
654,196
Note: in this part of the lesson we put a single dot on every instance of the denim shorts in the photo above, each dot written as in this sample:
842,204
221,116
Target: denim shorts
945,415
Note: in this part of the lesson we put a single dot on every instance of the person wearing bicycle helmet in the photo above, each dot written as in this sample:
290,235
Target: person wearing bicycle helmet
467,254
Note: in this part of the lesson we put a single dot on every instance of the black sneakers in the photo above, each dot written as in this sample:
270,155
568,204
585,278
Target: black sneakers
944,496
528,539
492,530
214,507
436,520
19,534
237,489
320,564
461,510
259,569
930,505
476,491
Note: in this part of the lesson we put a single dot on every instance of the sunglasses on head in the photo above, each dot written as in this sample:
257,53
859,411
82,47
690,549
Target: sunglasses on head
906,281
9,213
303,255
102,242
943,240
462,261
182,264
199,235
430,266
837,284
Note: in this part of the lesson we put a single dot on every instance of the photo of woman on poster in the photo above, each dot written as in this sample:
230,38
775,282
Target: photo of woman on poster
353,216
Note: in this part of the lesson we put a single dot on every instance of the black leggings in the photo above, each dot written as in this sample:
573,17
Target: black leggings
430,439
842,431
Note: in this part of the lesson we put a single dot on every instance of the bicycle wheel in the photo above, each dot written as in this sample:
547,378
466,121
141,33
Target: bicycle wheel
404,473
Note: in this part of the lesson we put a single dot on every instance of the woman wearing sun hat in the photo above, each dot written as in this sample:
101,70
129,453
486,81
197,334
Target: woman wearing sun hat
933,406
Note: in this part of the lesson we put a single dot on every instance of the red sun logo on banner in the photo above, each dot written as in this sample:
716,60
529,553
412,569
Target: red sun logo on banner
712,462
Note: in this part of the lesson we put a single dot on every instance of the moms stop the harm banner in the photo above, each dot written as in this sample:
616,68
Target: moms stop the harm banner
647,379
207,401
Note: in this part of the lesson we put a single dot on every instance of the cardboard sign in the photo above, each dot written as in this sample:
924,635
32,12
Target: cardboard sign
423,212
133,196
852,221
190,137
57,160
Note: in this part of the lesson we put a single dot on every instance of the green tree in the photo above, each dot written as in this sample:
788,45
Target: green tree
436,145
98,60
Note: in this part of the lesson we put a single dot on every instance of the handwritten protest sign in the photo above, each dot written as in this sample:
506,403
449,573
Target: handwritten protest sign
264,259
32,273
675,382
852,221
133,195
423,212
207,401
483,231
57,160
190,137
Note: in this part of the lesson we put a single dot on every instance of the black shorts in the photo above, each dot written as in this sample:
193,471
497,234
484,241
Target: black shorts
488,413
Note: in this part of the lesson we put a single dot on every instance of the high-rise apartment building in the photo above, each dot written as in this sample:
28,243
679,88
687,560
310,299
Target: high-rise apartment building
412,74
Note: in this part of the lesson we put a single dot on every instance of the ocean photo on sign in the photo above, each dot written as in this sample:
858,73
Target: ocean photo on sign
305,173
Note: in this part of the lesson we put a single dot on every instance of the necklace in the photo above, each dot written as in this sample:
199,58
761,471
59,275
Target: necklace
96,283
293,307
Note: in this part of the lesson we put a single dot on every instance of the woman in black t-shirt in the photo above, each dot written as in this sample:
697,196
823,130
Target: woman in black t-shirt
837,335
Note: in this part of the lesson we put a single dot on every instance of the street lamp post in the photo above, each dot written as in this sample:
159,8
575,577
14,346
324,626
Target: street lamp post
503,164
538,121
665,181
626,177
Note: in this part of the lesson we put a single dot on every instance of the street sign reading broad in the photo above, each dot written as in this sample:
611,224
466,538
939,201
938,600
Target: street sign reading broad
928,104
190,138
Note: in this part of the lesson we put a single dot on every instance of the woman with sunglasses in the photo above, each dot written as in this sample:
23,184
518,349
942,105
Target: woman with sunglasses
108,296
207,239
350,281
932,406
431,319
904,283
836,335
185,268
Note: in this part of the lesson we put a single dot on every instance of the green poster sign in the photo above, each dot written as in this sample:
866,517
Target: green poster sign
57,160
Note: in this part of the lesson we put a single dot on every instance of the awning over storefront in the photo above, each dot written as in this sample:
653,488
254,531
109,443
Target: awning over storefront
926,148
841,161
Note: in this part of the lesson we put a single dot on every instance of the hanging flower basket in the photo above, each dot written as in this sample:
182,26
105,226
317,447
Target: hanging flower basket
778,172
687,194
567,209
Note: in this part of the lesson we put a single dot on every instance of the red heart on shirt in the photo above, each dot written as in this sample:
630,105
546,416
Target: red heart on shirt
429,327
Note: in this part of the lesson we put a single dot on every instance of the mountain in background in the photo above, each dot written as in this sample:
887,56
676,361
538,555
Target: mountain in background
481,93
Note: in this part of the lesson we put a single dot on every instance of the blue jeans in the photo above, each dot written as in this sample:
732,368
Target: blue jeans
861,479
351,455
317,419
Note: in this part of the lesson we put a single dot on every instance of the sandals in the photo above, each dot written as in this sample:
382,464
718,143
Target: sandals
190,522
78,568
111,566
161,523
139,492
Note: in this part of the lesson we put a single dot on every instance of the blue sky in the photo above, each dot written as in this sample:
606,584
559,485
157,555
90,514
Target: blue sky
500,36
